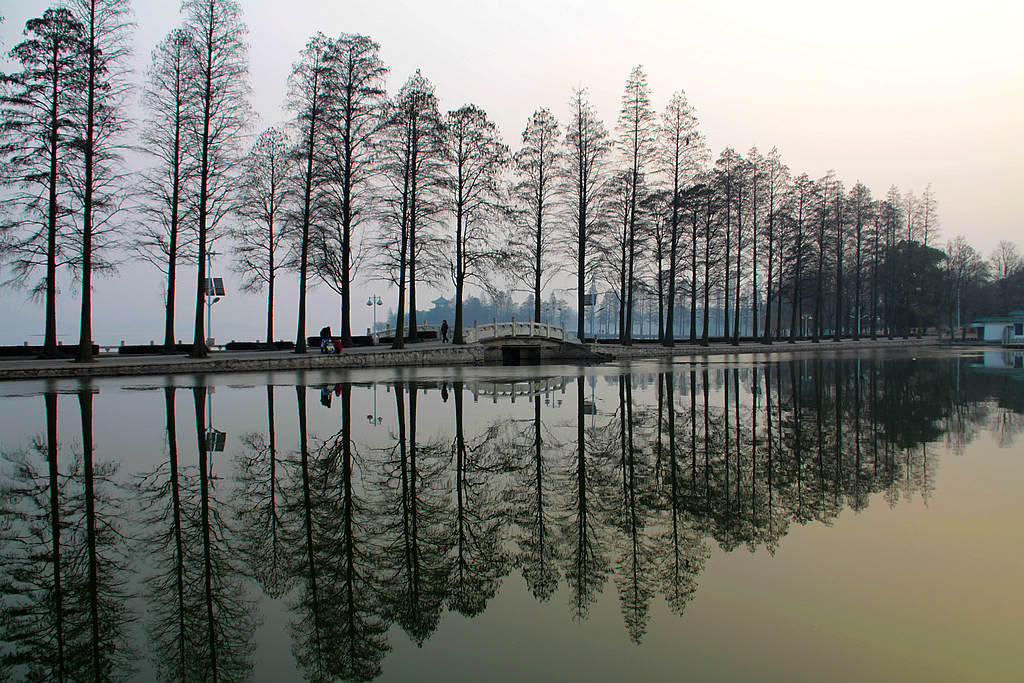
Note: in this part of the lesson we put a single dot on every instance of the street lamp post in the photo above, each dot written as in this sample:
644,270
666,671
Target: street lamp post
373,301
212,296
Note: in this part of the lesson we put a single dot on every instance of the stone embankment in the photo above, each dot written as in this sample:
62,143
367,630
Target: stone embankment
113,365
427,354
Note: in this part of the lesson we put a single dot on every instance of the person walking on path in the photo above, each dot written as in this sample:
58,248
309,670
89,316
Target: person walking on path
444,331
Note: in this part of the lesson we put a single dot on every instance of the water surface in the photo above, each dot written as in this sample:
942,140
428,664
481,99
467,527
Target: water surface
780,517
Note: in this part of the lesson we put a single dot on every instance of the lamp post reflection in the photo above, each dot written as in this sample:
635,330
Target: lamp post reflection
373,418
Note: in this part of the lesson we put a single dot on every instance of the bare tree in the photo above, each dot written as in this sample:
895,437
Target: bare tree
309,93
928,216
169,100
586,142
860,206
801,211
411,152
728,168
261,236
472,184
636,141
776,180
222,88
355,116
876,239
963,265
106,29
36,127
680,151
823,195
839,217
758,180
911,214
538,166
709,205
692,202
891,227
1006,262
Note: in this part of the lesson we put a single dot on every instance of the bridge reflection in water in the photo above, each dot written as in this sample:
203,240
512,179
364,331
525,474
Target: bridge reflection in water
583,484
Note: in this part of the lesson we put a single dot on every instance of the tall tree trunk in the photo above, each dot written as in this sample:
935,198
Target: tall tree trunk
580,284
50,335
837,332
739,267
538,250
728,256
270,305
172,247
668,337
857,285
622,291
707,269
767,339
874,284
399,341
413,333
753,262
581,246
307,198
630,279
85,328
796,314
460,267
199,349
693,278
820,281
346,227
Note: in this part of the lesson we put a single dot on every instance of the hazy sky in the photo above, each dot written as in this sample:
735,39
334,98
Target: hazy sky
890,92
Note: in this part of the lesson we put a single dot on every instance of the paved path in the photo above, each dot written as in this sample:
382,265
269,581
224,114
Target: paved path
114,364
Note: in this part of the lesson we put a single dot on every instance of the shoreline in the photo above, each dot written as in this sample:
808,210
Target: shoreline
423,355
619,352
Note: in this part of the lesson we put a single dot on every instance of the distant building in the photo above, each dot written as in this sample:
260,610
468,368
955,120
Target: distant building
1002,329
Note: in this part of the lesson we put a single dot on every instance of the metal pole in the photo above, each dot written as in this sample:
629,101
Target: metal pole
208,285
209,306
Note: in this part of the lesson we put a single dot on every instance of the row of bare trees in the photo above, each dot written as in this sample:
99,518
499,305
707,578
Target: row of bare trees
390,184
62,127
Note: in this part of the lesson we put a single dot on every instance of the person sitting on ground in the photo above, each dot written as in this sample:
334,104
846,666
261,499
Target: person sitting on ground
326,344
444,331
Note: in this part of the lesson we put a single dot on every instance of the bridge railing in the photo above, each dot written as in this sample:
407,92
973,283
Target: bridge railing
514,328
496,330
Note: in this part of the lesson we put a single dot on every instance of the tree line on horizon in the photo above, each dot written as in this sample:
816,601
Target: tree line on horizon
386,186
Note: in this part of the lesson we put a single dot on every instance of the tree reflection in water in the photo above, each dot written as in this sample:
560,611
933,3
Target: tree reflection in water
64,563
357,533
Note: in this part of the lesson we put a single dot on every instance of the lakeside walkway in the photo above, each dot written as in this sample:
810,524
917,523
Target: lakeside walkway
422,354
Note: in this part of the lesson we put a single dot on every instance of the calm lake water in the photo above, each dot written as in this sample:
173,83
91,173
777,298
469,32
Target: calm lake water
778,517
